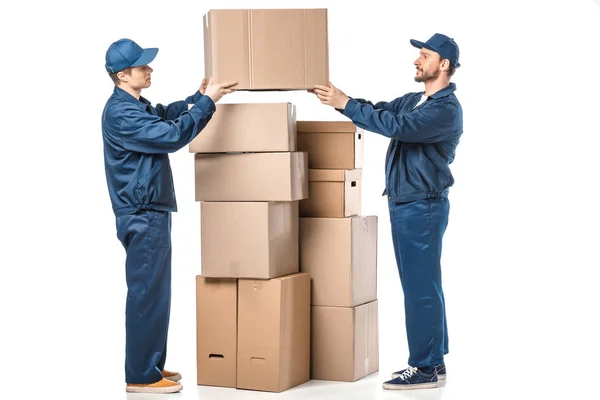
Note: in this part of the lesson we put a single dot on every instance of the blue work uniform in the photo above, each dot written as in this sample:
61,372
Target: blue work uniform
137,139
423,142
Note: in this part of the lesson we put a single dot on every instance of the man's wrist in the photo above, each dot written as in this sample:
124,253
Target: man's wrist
345,102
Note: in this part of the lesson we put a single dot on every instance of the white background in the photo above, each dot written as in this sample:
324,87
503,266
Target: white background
520,265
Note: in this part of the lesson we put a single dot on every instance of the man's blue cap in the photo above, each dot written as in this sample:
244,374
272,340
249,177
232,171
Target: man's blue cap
125,53
441,44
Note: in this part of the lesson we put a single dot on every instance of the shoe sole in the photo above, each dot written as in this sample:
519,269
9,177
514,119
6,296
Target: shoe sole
440,377
174,378
431,385
156,390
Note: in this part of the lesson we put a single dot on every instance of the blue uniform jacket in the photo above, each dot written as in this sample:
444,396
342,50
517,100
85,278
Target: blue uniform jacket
137,138
423,141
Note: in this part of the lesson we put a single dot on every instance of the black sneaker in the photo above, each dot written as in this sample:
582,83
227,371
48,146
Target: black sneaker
440,369
412,378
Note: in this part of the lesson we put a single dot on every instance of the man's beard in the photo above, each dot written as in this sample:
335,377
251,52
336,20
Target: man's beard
427,77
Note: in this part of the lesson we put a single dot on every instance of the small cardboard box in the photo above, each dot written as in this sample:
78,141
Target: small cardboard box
332,193
331,144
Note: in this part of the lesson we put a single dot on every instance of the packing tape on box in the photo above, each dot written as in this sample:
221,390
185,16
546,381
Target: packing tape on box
366,366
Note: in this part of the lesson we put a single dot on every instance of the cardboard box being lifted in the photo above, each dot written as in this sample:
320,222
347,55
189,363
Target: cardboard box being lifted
341,256
332,193
249,239
271,49
251,127
251,177
345,342
274,333
216,331
331,144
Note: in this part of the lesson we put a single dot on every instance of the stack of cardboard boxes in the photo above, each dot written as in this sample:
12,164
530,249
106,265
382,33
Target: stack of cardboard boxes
252,180
253,305
338,248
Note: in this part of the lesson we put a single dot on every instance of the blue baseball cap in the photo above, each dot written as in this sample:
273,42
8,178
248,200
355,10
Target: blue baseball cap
441,44
125,53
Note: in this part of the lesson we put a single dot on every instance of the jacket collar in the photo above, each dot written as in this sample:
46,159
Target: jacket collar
120,93
451,88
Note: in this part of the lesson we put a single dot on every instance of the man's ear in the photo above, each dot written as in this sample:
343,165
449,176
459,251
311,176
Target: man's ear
122,76
445,64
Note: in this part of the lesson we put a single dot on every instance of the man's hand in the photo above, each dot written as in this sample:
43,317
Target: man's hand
203,86
217,90
331,96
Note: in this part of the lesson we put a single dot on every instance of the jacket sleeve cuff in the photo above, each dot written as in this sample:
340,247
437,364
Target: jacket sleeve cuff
350,108
205,103
195,97
203,108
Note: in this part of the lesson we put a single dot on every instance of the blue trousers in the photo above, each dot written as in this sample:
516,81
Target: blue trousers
146,237
417,231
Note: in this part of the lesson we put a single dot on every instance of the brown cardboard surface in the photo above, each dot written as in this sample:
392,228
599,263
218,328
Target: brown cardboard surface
274,333
331,144
216,331
249,239
267,49
341,256
344,342
251,177
334,175
250,127
332,193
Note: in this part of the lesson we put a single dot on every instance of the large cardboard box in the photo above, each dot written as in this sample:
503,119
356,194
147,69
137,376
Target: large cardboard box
332,193
267,49
216,331
341,256
251,127
251,177
345,342
274,333
249,239
331,144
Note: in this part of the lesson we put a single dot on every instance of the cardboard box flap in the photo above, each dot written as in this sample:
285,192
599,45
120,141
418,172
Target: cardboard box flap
327,127
334,175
